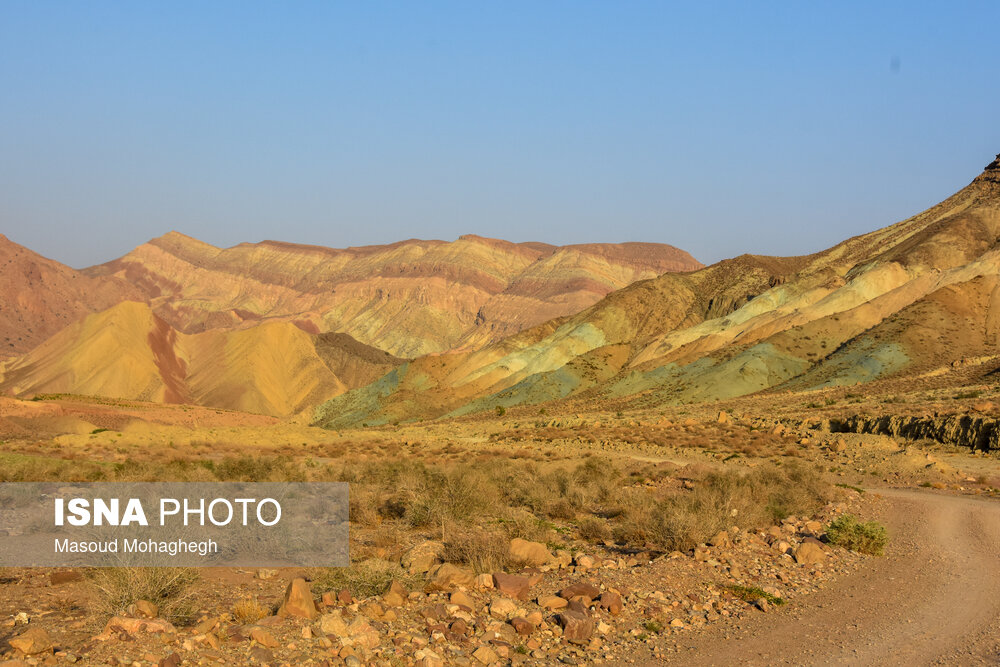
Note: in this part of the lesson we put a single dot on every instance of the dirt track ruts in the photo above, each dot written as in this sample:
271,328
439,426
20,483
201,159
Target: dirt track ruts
933,599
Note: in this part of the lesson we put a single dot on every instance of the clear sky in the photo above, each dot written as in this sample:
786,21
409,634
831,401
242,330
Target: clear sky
723,128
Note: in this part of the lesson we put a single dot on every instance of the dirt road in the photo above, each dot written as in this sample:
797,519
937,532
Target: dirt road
934,599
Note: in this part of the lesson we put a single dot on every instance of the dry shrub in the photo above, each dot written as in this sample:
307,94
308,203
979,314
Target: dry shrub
593,529
751,500
249,610
482,550
169,588
365,579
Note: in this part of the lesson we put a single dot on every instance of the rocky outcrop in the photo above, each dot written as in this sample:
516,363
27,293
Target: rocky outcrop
975,432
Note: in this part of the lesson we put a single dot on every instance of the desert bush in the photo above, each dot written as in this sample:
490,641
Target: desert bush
482,550
869,537
249,610
750,500
594,530
366,578
169,588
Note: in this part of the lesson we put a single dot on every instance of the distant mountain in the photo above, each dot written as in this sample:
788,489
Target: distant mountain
408,298
910,299
38,297
274,368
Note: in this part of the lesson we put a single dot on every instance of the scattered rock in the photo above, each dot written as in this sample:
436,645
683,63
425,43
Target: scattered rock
551,602
33,641
298,601
146,609
522,626
530,553
396,595
577,626
502,609
423,557
810,553
263,636
612,602
131,626
580,590
512,585
449,577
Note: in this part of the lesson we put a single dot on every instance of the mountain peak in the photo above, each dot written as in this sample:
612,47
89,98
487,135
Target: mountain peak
991,173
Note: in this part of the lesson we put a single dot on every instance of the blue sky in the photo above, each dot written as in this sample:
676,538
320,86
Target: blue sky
723,128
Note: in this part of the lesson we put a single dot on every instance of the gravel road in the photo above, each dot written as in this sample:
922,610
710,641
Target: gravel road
933,599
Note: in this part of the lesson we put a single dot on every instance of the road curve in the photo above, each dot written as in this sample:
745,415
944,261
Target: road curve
933,599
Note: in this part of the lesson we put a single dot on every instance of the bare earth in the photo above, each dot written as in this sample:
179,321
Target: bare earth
934,598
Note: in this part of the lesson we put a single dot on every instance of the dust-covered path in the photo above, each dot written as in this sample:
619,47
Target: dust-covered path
934,599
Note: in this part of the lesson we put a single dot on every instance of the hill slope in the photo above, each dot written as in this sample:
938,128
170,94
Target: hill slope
408,298
39,296
905,299
128,352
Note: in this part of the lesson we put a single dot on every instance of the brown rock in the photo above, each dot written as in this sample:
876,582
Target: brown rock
146,609
580,590
529,553
463,600
485,655
131,626
551,602
721,539
423,557
612,602
33,641
333,624
172,660
298,601
512,585
263,636
522,626
449,577
576,623
809,553
396,595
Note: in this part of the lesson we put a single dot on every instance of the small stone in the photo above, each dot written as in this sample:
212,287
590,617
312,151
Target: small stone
263,636
551,602
522,626
333,624
484,581
172,660
485,655
612,602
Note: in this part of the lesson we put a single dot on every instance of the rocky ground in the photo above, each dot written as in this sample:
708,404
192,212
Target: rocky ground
572,600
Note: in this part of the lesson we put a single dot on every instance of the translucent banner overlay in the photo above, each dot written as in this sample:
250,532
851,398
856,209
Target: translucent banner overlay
198,524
